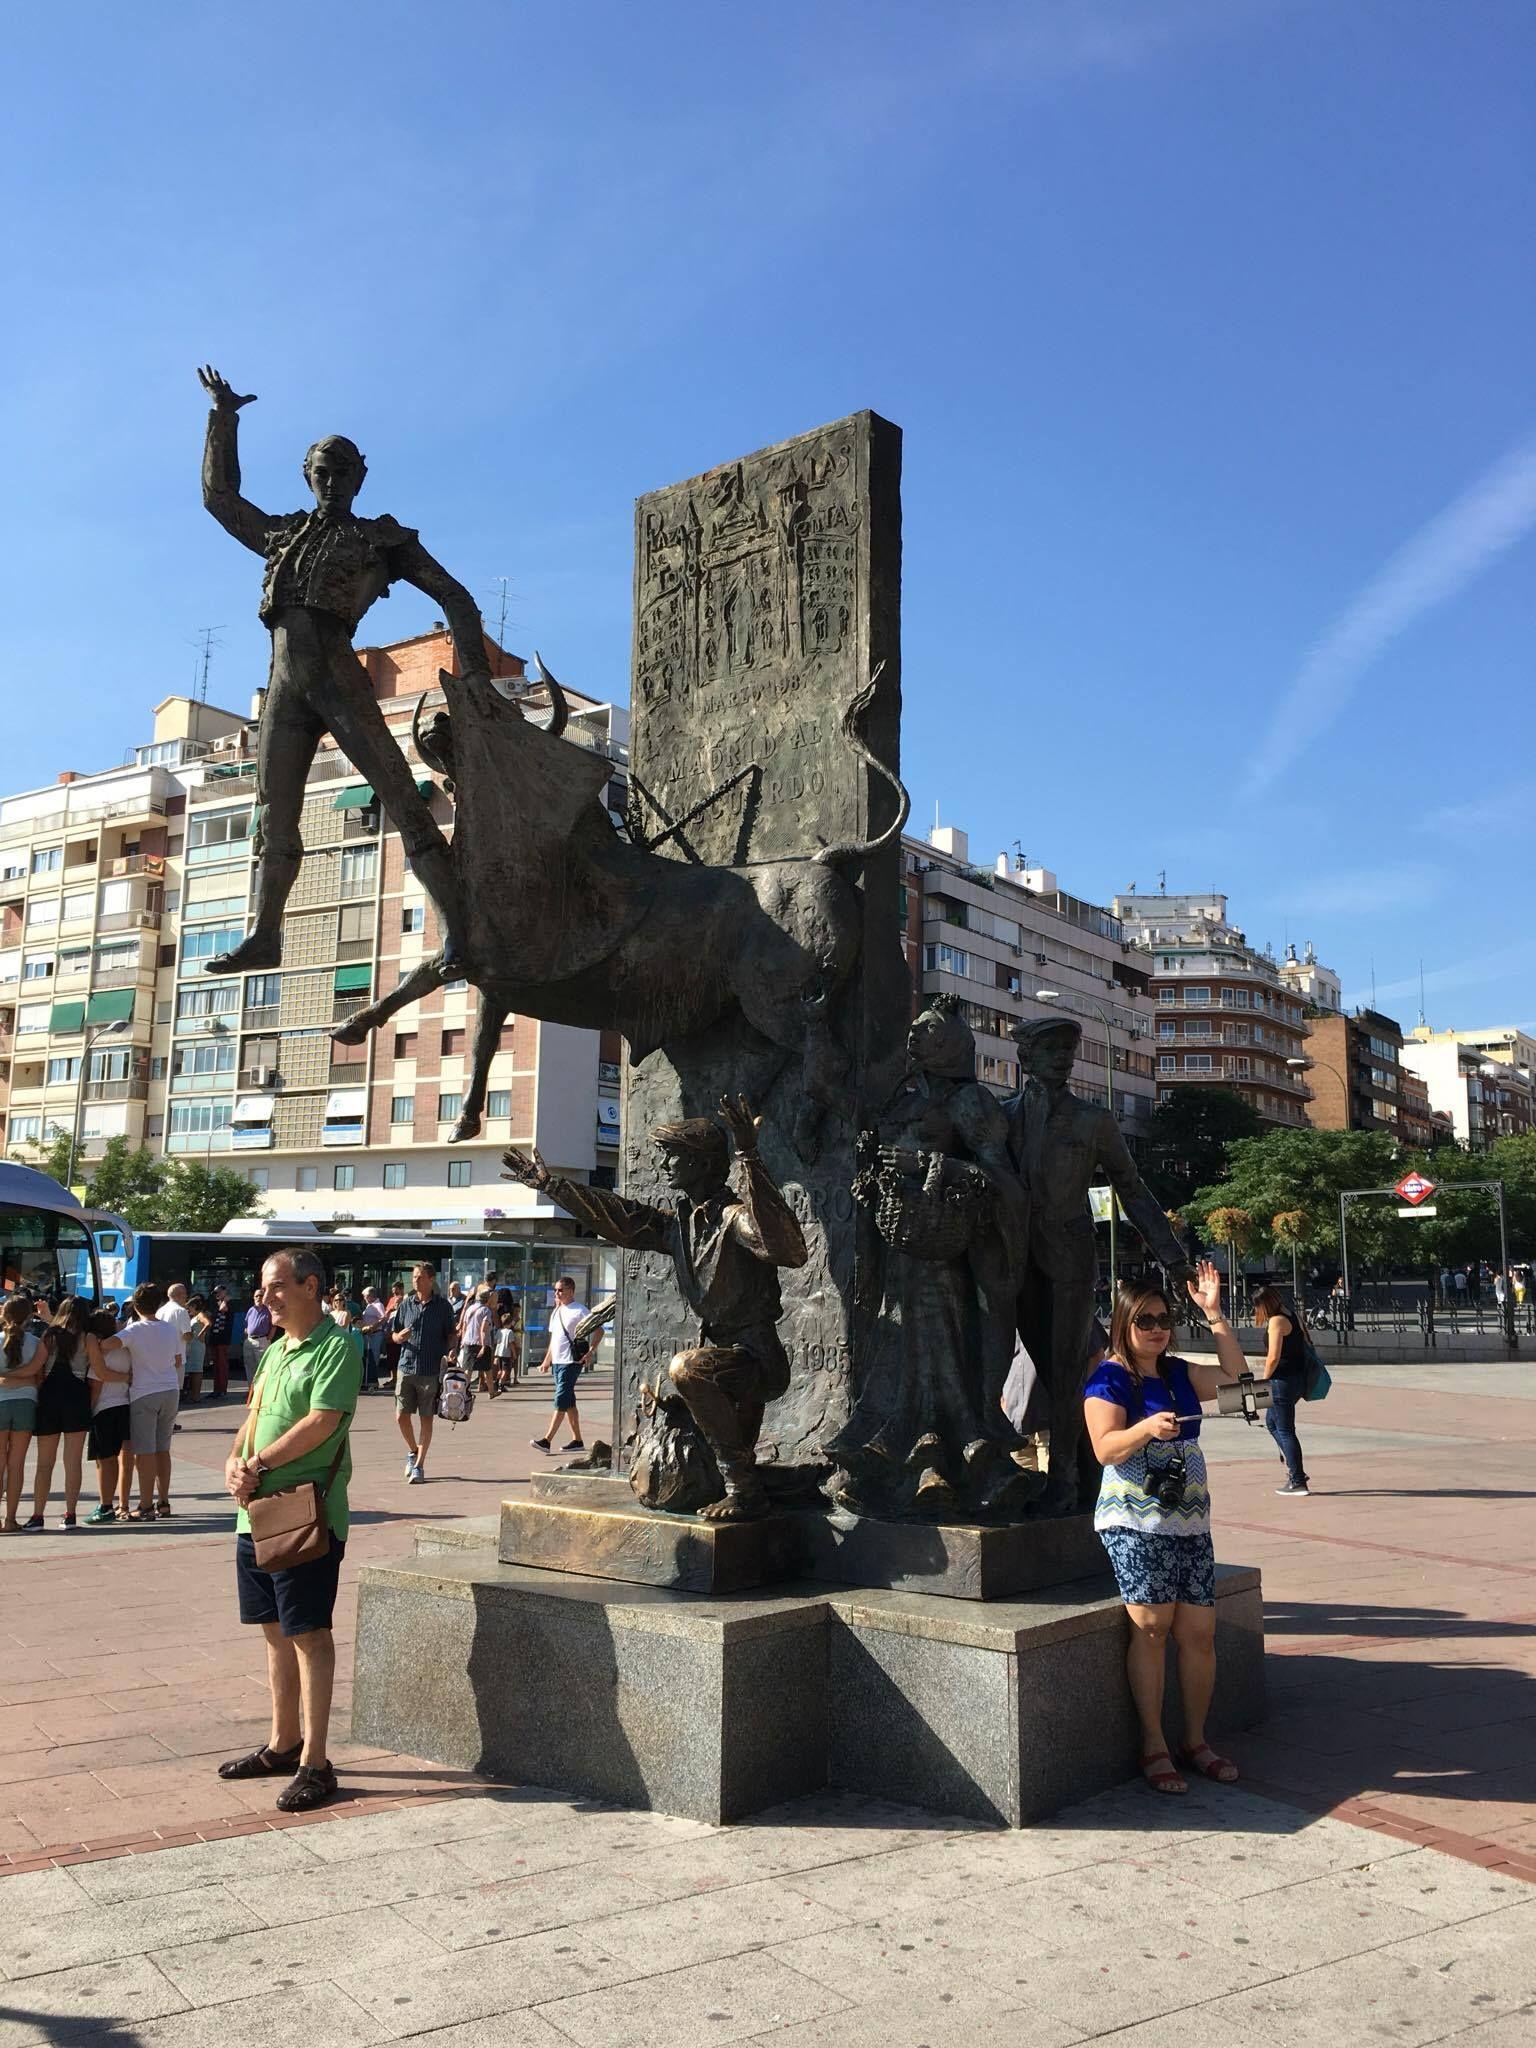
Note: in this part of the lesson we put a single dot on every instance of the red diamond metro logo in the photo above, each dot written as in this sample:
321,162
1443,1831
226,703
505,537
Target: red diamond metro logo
1414,1188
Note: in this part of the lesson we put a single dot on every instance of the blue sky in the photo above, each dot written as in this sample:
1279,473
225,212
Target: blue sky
1210,325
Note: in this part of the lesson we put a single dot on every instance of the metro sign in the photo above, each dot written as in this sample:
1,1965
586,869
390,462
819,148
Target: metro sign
1414,1188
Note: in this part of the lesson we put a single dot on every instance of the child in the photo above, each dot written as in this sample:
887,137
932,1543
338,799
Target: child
509,1337
23,1358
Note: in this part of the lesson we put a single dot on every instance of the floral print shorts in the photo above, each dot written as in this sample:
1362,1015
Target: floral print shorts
1152,1571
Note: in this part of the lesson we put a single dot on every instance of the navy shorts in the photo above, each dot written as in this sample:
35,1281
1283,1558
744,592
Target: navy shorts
565,1385
1154,1571
300,1600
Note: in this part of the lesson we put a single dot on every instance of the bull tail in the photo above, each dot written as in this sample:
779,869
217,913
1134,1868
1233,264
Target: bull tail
855,852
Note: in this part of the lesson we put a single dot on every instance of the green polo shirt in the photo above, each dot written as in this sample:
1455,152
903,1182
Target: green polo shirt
322,1372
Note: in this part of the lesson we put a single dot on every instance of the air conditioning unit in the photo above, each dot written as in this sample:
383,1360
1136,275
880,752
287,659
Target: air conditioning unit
1017,952
269,1077
1039,959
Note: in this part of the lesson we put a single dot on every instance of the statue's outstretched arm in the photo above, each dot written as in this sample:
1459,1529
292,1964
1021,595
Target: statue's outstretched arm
1136,1198
413,565
635,1226
221,467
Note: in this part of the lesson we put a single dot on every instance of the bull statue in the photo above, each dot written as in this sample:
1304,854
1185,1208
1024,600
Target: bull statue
568,921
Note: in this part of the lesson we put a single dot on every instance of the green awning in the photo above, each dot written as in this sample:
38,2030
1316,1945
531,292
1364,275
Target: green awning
351,981
110,1006
358,798
67,1017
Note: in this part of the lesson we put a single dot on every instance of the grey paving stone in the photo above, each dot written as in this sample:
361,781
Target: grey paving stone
444,1820
58,2007
943,2019
100,1934
547,1838
584,1896
413,1996
278,1958
713,1924
1240,1864
888,1963
314,2016
1100,1989
1490,1961
42,1891
501,2030
1373,1997
913,1881
1320,1920
328,1888
178,1870
1436,1886
712,2002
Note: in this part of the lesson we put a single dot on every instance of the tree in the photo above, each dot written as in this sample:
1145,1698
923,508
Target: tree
1187,1145
194,1196
1292,1232
50,1155
1236,1229
1467,1226
1289,1170
129,1183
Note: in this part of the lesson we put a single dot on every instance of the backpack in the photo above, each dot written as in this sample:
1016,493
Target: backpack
1318,1380
456,1396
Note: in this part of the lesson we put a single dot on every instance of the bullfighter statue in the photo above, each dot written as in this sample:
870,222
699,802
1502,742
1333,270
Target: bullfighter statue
1059,1146
726,1243
325,568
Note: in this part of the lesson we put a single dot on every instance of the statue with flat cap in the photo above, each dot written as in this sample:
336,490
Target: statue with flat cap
324,569
1060,1146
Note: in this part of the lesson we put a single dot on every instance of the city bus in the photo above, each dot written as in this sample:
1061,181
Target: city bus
46,1237
356,1257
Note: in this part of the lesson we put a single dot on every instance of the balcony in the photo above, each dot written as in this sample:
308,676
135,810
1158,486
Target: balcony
129,921
134,1088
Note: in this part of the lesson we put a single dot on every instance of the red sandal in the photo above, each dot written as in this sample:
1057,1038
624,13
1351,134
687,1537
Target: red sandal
1202,1758
1162,1781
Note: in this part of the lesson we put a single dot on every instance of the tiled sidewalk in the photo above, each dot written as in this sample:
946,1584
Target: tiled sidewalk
521,1920
1401,1601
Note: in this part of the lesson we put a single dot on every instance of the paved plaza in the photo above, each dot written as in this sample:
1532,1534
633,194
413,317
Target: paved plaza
1373,1878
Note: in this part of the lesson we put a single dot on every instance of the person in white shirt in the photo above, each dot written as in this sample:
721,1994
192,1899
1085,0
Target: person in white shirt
560,1359
155,1357
177,1313
475,1333
370,1327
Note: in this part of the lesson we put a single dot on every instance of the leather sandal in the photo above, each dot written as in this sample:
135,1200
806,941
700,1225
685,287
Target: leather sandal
1202,1758
1167,1780
263,1763
313,1785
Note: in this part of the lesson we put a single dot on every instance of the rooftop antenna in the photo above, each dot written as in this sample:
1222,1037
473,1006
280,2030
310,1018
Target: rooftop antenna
1373,984
1422,1018
204,639
1020,857
1162,881
502,586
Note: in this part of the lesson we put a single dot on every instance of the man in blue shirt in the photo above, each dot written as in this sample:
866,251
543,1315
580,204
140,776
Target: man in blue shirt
422,1334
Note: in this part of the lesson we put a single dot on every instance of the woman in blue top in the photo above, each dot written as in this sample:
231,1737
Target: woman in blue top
1142,1408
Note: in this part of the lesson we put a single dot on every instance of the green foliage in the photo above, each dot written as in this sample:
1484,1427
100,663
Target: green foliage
50,1157
1467,1225
151,1193
1290,1170
1186,1147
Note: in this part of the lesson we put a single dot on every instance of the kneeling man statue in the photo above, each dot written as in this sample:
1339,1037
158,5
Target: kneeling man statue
726,1242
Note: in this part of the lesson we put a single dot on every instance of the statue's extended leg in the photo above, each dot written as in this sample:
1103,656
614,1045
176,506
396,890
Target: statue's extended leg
488,1022
285,749
353,716
720,1384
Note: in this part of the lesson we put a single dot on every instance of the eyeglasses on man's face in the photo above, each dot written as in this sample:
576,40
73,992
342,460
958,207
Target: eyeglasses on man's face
1162,1322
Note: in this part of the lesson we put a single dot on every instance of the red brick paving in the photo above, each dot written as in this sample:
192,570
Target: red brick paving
1401,1606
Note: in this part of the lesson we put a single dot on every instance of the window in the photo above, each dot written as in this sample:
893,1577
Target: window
394,1173
260,1178
26,1130
76,906
34,1016
448,1107
460,1173
1167,995
359,864
63,1070
202,1056
402,1109
1197,1062
1168,1063
499,1102
1197,995
47,860
42,910
453,1043
220,894
201,945
38,967
307,1179
200,1119
946,960
110,1066
263,991
343,1179
354,925
220,835
405,1045
1198,1027
211,999
413,918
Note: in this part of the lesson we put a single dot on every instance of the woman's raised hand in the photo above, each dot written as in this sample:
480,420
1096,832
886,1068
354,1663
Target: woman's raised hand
1205,1289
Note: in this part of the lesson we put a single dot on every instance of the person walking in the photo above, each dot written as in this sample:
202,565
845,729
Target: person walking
110,1424
560,1359
296,1430
509,1339
221,1328
1141,1405
1285,1368
154,1394
178,1313
423,1335
256,1334
476,1354
24,1359
63,1413
370,1327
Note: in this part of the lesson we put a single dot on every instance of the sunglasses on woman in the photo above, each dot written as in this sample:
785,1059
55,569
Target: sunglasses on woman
1162,1322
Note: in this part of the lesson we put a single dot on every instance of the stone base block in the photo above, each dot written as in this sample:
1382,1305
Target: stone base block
715,1708
954,1560
625,1541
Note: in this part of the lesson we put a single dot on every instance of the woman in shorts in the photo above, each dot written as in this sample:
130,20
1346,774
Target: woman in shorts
23,1360
107,1443
63,1410
1142,1408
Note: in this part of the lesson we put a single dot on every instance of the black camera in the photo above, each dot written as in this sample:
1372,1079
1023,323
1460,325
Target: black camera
1166,1483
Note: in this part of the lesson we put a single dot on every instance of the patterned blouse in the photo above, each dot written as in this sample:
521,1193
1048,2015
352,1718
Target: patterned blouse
1124,1502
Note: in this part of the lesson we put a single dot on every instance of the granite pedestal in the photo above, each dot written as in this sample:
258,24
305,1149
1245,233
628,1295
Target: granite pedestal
715,1707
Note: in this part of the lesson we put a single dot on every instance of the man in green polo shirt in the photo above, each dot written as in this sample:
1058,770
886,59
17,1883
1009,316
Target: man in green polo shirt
304,1398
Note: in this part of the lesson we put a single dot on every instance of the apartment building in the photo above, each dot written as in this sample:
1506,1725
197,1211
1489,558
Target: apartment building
1485,1098
1225,1016
1355,1072
242,1070
1419,1124
1305,975
1010,943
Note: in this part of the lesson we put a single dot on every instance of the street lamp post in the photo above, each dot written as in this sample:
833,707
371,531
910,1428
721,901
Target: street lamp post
1053,995
1301,1066
92,1040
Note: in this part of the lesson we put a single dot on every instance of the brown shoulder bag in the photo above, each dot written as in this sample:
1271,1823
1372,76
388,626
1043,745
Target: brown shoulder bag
289,1528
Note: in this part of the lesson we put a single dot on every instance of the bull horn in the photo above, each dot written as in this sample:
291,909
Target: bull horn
559,705
856,852
416,726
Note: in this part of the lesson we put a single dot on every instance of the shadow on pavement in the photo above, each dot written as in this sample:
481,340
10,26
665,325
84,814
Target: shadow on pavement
1304,1618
